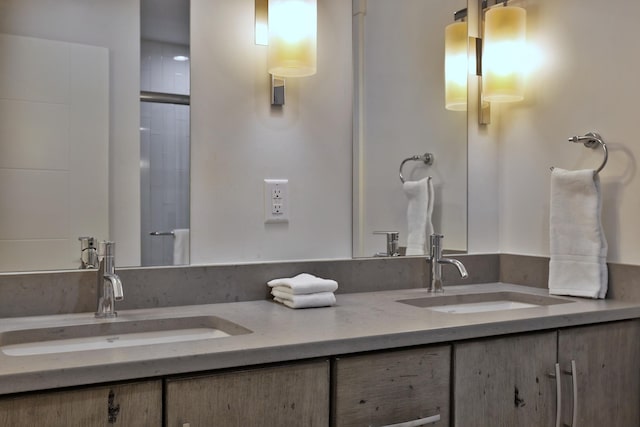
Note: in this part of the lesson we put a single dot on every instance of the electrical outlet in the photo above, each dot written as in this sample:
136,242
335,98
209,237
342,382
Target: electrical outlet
276,200
276,191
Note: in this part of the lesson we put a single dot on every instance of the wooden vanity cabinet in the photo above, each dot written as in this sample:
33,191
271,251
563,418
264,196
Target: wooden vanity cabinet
607,360
506,382
136,404
295,394
392,387
499,382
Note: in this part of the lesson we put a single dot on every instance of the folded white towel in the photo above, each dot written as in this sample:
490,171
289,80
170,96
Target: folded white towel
319,299
578,264
181,246
419,212
304,284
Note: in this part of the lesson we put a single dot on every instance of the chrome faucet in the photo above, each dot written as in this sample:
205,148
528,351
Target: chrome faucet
436,259
392,243
109,284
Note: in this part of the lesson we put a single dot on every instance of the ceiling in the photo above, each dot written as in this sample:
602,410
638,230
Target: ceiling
165,21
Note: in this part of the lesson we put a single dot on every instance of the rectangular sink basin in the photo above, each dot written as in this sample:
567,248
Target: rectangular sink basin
483,302
115,334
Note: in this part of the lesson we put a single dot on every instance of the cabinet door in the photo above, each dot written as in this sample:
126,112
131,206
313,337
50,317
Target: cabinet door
607,358
505,382
392,387
282,396
126,405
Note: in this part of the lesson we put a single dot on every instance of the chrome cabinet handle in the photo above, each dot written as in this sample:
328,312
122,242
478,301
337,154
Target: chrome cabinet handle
574,381
417,423
556,375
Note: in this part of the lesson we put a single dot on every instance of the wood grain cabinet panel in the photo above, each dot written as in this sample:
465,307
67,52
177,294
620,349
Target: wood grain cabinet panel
125,405
503,382
607,360
392,387
295,395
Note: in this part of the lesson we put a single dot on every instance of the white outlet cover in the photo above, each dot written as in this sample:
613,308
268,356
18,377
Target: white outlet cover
276,200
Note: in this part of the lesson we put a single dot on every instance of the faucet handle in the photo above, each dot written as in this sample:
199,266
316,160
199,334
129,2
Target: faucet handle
88,254
87,242
107,248
435,245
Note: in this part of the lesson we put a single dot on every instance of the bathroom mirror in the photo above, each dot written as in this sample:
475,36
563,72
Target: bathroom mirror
399,112
93,187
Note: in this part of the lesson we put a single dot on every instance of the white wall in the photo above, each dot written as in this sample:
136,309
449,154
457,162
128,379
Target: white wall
114,25
238,140
587,81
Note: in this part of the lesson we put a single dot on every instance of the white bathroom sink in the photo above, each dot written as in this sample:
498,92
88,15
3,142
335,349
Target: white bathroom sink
483,302
117,333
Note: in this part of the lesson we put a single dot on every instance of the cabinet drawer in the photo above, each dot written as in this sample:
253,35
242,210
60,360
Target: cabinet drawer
288,395
392,387
126,405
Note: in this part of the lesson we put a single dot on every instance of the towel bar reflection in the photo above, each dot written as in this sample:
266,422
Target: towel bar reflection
427,158
592,140
162,233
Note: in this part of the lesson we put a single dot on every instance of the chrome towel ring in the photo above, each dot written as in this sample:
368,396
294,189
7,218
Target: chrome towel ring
427,158
593,140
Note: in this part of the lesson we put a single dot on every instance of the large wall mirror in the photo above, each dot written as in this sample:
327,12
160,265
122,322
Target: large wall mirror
77,147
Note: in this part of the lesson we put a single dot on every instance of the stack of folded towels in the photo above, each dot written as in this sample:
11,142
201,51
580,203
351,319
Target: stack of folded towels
304,291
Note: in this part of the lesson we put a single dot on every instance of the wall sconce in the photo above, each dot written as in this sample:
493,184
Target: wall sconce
500,55
292,28
455,66
503,54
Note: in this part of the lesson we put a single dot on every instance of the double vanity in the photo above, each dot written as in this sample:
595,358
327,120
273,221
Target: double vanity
485,354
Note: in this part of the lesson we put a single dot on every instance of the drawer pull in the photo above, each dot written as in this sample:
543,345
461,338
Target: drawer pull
556,375
574,381
417,423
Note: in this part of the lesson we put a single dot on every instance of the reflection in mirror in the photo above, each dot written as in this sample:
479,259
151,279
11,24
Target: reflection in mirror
66,97
41,230
71,155
164,132
400,113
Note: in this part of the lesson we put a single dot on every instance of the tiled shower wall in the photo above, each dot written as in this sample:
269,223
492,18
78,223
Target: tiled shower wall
54,134
164,150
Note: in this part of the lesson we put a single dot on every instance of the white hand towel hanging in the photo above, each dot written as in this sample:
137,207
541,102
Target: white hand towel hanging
578,264
419,212
181,246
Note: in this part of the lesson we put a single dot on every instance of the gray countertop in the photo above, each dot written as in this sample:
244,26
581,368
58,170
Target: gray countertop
358,322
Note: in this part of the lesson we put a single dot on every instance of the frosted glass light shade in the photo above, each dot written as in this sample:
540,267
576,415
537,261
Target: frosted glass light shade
503,54
293,28
455,66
